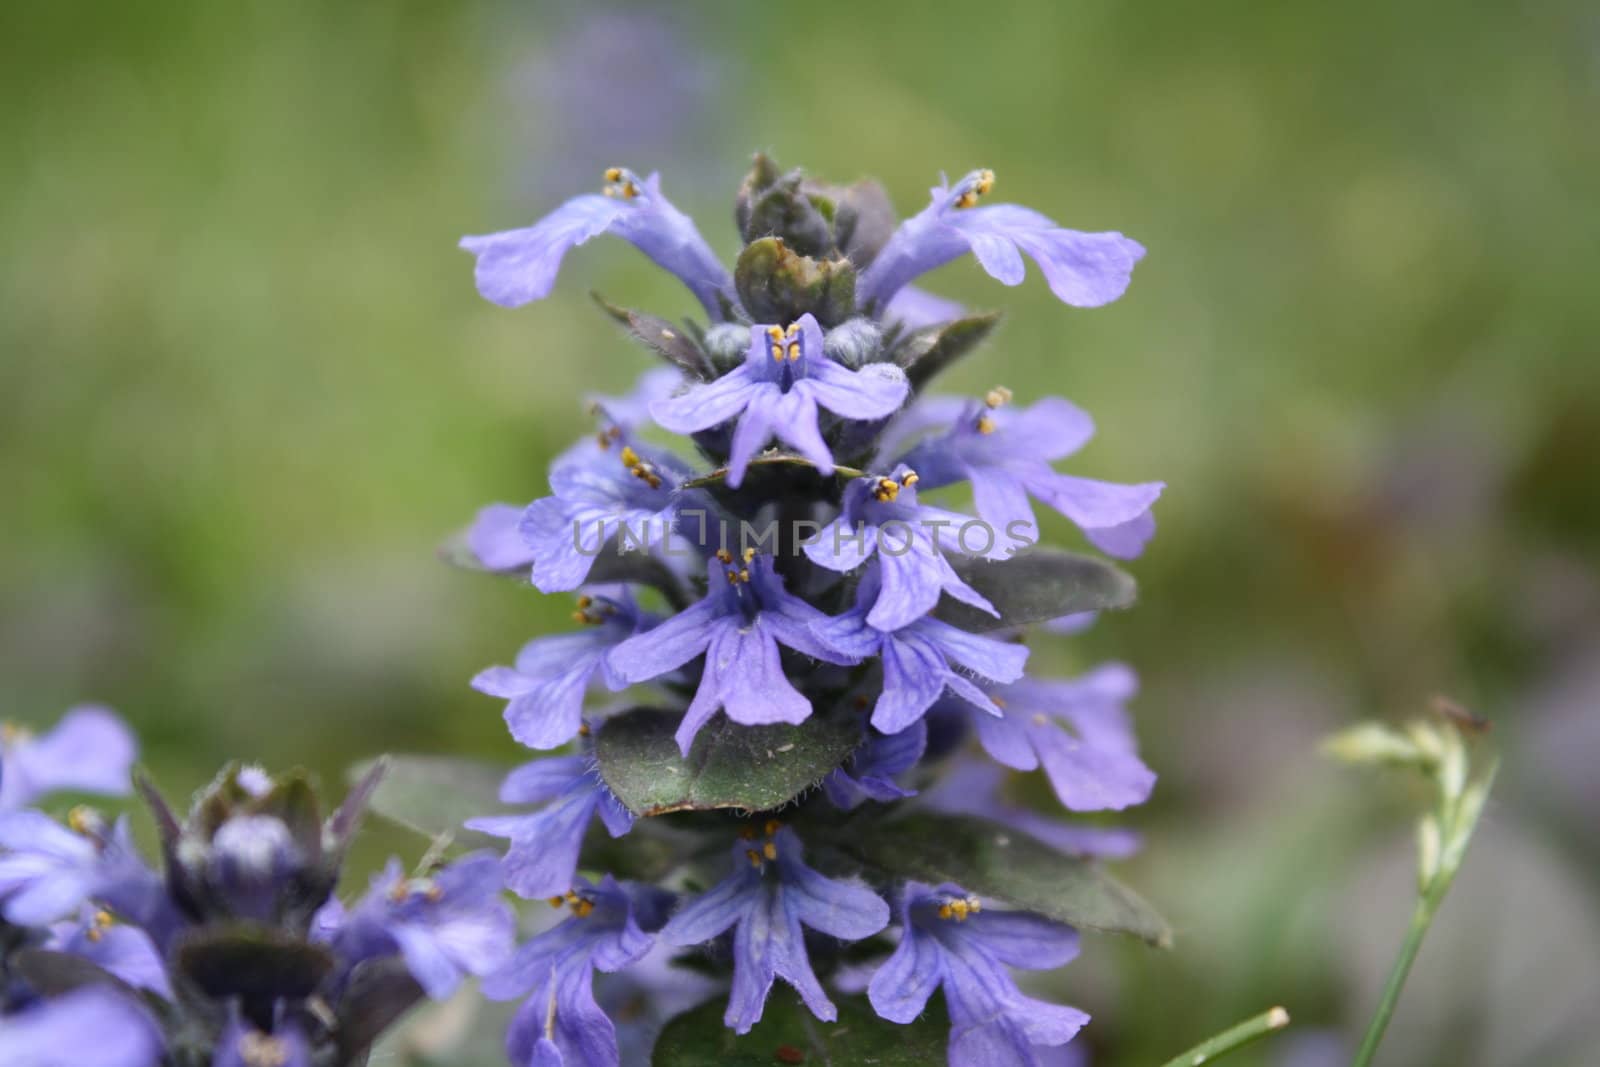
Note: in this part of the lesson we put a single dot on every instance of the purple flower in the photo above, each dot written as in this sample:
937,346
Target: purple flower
543,854
603,487
1083,269
920,660
744,619
560,1023
1006,454
242,1045
123,951
547,685
89,750
785,378
913,309
768,898
629,412
90,1027
48,872
881,516
949,939
445,926
872,770
971,787
1080,733
495,538
516,267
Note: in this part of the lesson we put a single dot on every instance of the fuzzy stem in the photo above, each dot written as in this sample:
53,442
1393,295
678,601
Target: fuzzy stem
1233,1038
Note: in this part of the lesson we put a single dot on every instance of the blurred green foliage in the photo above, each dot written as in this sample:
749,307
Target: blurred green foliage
246,387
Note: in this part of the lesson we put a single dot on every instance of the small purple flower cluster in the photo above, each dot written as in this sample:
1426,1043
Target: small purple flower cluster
803,398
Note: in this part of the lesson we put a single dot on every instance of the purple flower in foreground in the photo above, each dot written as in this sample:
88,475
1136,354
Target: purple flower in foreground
48,872
445,926
516,267
949,940
768,898
560,1023
89,750
744,619
1083,269
123,951
242,1045
881,517
90,1027
913,309
872,770
1006,453
920,661
543,854
547,685
1078,731
972,787
602,488
785,378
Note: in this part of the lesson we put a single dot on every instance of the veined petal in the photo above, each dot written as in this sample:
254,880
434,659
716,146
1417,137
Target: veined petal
704,406
495,538
542,779
915,308
876,391
666,647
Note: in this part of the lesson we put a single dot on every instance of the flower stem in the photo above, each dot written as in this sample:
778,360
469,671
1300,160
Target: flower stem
1421,919
1233,1038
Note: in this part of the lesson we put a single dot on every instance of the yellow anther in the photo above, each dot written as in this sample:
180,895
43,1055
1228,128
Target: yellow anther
630,458
974,905
886,490
777,353
749,554
613,174
770,850
582,907
572,896
754,857
959,908
398,892
94,934
556,902
583,729
609,190
775,333
630,190
998,397
744,574
602,440
102,918
11,733
985,424
585,600
794,351
945,911
582,617
724,556
909,479
772,827
433,894
793,330
999,702
985,182
84,820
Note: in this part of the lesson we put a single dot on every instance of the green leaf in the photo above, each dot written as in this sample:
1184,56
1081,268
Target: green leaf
994,861
925,352
1036,586
748,768
434,795
789,1034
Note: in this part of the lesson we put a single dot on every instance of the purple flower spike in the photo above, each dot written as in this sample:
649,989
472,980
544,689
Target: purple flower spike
1006,453
744,619
560,1023
547,685
445,926
123,951
1078,731
768,898
89,750
48,872
543,854
785,378
920,660
603,487
91,1027
1083,269
881,516
516,267
871,774
950,940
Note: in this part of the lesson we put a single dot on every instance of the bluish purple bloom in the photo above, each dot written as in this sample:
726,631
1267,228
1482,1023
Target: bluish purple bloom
90,1027
242,1045
881,517
123,951
744,618
1078,730
560,1023
872,770
495,538
516,267
920,660
972,787
543,855
446,925
777,392
631,411
914,308
602,488
89,750
546,687
48,872
948,939
767,900
1006,453
1083,269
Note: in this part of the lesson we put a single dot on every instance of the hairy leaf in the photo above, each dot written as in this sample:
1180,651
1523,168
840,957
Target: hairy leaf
925,352
748,768
1036,586
670,342
789,1034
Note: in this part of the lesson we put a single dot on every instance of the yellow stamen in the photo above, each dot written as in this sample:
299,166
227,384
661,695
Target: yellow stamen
630,458
433,894
794,351
985,425
582,908
583,729
749,554
754,857
998,397
770,850
777,353
999,702
909,479
613,174
585,600
945,911
556,902
985,182
84,820
793,330
775,333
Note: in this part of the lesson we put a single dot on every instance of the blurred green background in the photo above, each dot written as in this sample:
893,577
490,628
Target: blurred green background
246,387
